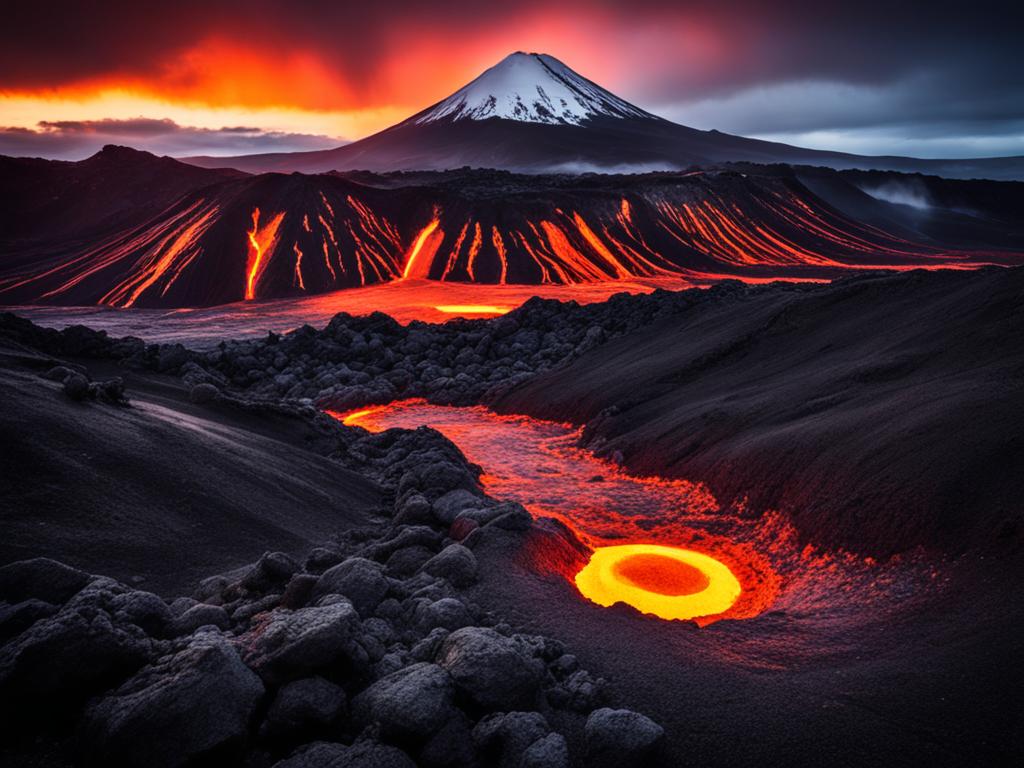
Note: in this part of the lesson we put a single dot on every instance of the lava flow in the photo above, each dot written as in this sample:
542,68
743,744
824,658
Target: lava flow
473,310
261,246
669,582
683,559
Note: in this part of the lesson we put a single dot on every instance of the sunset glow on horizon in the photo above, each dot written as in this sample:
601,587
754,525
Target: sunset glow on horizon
243,77
261,76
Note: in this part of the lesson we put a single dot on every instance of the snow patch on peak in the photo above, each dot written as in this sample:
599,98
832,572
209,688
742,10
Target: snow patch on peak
531,88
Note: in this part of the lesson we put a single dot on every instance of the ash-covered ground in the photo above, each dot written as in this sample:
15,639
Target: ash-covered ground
278,588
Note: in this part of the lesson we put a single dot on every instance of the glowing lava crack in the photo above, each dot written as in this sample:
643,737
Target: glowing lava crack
667,582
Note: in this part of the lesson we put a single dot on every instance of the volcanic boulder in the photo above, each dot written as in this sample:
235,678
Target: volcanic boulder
289,644
410,703
621,738
40,578
362,581
302,706
81,649
503,738
185,705
455,563
490,669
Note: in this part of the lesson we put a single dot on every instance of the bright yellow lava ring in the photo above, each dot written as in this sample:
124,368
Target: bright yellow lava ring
641,575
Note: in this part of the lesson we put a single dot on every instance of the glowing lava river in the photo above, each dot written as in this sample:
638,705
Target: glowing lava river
664,547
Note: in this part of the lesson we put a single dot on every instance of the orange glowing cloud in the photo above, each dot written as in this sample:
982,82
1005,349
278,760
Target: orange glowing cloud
323,71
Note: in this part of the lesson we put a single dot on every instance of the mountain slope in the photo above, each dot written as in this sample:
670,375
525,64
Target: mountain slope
532,113
272,236
115,186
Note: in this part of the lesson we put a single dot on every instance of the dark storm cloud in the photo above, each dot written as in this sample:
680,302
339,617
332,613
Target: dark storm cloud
752,66
44,44
74,139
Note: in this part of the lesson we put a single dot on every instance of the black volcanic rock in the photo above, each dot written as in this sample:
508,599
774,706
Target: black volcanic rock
303,706
360,580
81,649
413,702
40,578
503,738
363,754
192,702
619,738
455,563
490,669
286,644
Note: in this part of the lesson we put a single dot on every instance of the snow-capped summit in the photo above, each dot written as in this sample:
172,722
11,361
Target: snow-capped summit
532,114
531,88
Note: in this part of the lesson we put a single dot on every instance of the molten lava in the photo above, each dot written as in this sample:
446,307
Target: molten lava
684,559
261,246
353,418
668,582
692,232
473,310
417,247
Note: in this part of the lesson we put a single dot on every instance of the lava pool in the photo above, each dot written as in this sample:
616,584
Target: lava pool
661,546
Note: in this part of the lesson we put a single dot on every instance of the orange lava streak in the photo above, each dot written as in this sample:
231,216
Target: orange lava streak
261,248
474,249
418,245
298,265
327,261
473,309
454,255
105,254
499,246
545,275
354,418
569,255
161,259
627,211
601,248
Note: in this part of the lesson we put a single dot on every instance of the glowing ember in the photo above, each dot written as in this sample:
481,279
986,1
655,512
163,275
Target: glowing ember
668,582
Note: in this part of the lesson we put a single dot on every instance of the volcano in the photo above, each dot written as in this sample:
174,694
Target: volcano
531,113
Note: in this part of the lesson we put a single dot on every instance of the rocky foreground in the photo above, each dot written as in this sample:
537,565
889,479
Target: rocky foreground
365,653
369,650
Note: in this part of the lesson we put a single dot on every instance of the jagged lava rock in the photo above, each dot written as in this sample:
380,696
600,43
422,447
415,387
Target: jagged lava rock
184,705
489,669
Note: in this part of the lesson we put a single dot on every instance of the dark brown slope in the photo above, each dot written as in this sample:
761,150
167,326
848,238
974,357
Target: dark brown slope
881,412
116,187
165,489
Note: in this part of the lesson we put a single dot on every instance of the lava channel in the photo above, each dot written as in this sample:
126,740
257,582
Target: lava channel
661,546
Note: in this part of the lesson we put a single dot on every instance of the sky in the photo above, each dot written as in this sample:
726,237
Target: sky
206,77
